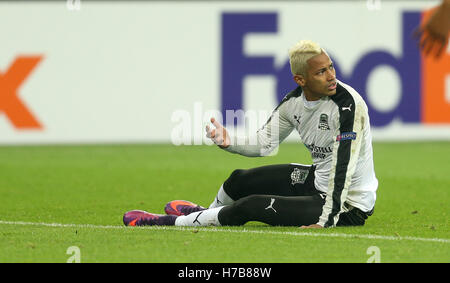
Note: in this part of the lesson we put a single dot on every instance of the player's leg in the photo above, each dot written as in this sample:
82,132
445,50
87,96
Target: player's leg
269,209
273,210
282,180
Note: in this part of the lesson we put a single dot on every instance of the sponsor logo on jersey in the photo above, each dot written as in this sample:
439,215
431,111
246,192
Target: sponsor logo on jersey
318,151
346,136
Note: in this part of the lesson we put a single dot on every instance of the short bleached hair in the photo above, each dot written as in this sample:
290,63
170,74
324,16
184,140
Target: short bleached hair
300,53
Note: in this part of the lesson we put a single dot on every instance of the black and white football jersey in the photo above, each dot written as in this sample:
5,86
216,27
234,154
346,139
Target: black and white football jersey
336,131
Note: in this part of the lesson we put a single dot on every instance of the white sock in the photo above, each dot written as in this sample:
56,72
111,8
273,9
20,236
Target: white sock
208,217
221,199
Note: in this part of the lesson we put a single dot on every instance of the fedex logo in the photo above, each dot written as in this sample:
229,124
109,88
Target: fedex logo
423,79
10,103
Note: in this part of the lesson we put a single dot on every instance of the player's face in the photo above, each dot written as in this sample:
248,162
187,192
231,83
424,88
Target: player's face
320,79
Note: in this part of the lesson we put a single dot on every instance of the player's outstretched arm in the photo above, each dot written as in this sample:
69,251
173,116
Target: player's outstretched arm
262,143
247,145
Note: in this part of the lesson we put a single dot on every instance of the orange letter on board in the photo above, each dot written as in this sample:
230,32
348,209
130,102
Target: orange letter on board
435,105
10,82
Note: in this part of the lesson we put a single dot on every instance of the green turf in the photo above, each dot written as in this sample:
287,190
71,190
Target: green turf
97,184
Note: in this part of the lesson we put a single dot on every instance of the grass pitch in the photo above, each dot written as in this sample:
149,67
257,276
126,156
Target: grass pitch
56,197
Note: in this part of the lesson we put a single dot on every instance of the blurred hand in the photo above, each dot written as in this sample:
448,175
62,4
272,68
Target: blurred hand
219,135
434,32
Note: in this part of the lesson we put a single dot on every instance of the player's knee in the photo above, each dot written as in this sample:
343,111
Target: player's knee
233,184
235,176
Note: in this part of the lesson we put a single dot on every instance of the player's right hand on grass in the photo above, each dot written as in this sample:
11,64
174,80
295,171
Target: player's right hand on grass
219,135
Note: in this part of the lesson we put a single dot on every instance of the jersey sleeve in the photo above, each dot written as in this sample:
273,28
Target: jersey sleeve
346,148
267,138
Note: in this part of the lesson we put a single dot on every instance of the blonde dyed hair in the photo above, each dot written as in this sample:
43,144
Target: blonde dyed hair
300,53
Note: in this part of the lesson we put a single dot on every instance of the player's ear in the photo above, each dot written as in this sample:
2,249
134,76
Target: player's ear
300,80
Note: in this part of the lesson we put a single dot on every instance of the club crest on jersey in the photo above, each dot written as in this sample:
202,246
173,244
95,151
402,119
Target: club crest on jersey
298,176
323,122
346,136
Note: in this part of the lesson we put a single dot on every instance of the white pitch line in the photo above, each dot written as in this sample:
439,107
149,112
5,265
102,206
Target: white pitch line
225,230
